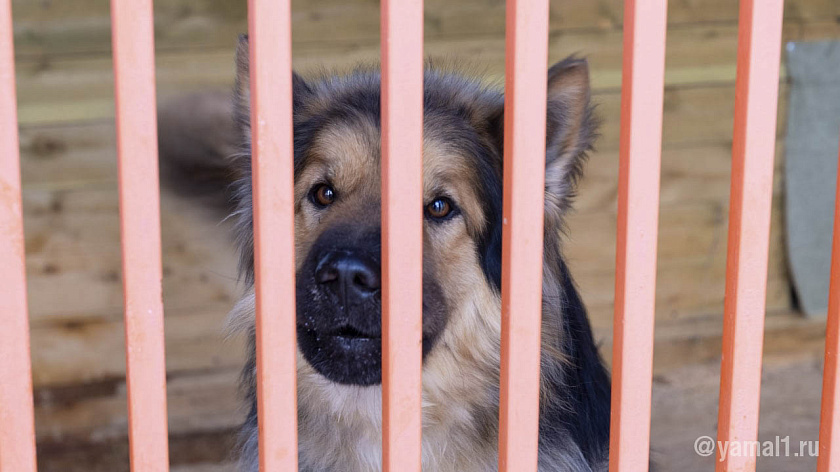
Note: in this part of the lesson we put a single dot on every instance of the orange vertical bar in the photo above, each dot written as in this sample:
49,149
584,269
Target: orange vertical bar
272,154
753,152
526,53
17,427
134,74
642,89
402,233
829,459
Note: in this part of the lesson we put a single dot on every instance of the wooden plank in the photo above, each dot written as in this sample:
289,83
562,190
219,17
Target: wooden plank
57,28
689,232
696,292
202,452
134,76
759,45
690,285
691,174
70,89
829,459
272,173
204,401
640,153
74,255
402,234
68,156
93,351
687,110
17,443
199,402
522,232
477,16
788,338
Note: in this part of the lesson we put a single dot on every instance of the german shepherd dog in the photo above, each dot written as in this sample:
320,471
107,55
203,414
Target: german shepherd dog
337,239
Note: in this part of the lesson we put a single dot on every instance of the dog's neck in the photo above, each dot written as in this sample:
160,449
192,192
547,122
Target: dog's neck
340,429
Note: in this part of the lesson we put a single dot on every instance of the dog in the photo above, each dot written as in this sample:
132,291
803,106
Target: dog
337,243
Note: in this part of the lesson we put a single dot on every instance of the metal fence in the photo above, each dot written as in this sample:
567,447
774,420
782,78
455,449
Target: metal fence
402,121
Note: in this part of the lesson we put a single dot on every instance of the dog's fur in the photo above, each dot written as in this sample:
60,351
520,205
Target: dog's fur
337,141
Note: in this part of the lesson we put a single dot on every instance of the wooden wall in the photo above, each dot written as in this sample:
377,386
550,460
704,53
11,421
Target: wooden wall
72,236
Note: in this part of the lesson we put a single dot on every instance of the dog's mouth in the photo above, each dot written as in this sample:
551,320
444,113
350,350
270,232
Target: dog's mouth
345,354
352,339
350,332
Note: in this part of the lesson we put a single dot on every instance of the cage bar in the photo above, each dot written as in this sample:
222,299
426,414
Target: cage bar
134,77
272,154
17,427
526,58
829,458
402,233
753,152
642,90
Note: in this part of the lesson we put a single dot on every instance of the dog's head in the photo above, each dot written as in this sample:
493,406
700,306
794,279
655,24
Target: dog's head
337,212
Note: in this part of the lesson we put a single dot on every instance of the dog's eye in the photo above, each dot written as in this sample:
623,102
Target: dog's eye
440,208
322,195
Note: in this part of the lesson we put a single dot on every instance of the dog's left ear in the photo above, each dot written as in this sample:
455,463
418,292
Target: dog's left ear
242,88
570,130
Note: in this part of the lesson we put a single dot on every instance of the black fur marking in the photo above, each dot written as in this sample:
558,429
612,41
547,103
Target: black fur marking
585,394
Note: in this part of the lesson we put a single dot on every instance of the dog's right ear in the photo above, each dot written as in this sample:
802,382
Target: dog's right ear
242,90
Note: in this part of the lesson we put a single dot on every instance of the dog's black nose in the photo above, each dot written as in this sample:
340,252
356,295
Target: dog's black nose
349,276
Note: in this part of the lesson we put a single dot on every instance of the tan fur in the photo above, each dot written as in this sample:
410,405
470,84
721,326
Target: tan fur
445,170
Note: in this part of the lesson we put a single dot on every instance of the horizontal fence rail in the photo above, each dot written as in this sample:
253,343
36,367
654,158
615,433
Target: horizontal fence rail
753,153
17,427
829,458
134,75
272,151
643,82
526,57
402,233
